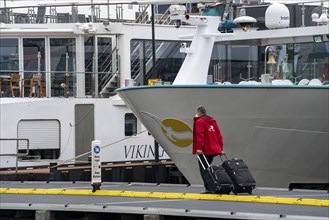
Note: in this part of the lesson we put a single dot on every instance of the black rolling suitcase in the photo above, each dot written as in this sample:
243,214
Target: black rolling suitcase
217,179
243,181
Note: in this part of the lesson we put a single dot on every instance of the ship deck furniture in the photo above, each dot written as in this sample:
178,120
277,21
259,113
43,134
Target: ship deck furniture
14,85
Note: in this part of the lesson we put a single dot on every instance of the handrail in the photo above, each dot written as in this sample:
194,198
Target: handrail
15,15
165,17
141,17
111,71
17,149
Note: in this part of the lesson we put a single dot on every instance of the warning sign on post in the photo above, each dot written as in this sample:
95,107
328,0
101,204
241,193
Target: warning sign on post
96,169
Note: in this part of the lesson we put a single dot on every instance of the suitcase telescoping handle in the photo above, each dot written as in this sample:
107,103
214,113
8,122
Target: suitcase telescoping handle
205,159
224,156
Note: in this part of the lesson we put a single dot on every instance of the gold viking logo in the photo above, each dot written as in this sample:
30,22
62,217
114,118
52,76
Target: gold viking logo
176,131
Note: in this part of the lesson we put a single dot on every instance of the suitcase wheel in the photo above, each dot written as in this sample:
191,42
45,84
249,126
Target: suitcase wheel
238,191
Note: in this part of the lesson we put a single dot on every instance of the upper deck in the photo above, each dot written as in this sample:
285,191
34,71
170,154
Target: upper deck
65,49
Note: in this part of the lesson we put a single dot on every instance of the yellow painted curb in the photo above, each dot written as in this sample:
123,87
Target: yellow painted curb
169,195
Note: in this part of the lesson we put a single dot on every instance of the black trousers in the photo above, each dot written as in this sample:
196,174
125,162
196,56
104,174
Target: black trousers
209,158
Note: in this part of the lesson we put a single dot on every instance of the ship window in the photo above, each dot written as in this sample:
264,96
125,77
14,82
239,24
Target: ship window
169,60
34,64
130,124
89,63
8,56
104,63
62,60
8,63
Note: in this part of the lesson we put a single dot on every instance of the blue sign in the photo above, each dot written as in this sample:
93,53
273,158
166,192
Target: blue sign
97,149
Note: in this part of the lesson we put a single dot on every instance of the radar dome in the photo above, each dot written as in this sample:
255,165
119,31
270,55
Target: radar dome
277,16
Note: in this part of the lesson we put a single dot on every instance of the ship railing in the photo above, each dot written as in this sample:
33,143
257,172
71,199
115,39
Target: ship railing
21,150
107,11
109,80
84,13
163,18
142,15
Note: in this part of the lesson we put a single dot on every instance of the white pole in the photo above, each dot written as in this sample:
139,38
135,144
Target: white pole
96,169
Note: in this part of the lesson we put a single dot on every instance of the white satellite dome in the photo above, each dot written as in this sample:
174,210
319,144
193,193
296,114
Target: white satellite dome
277,16
245,19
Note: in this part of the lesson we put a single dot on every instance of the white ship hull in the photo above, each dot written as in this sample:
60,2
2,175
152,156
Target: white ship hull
281,132
68,125
84,54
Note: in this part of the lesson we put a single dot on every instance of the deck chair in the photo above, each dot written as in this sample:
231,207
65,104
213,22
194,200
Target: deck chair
36,85
15,84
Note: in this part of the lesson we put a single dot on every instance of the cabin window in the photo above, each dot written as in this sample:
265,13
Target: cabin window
130,124
308,61
9,63
102,63
168,62
89,64
34,66
62,61
8,56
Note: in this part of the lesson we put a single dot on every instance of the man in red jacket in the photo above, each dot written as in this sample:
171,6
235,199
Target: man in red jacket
207,139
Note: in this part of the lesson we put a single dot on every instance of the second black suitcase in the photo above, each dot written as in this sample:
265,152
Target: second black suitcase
242,179
217,179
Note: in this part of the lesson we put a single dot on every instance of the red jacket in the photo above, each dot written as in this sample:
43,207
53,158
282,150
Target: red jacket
207,136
